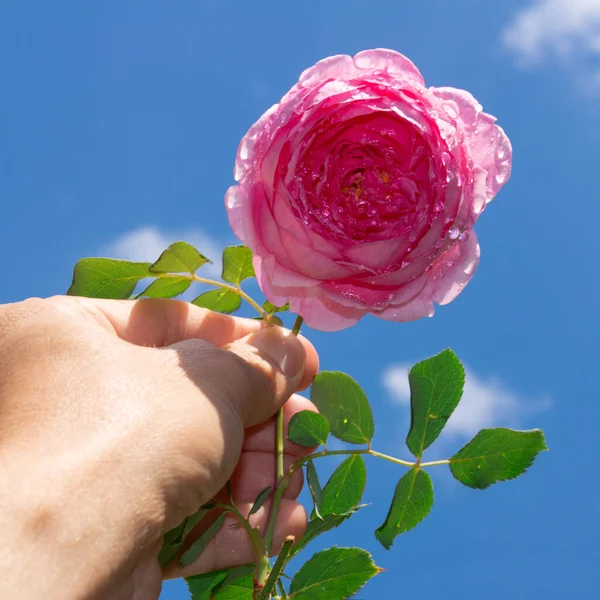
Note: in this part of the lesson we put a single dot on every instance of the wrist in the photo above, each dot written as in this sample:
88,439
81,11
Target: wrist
63,520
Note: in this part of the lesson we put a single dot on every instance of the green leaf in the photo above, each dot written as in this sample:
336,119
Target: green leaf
412,502
192,521
436,387
237,264
345,487
209,585
107,278
344,404
228,490
273,319
202,586
271,308
219,300
260,500
179,257
167,555
308,428
496,455
195,550
167,287
174,536
315,487
333,574
317,526
241,589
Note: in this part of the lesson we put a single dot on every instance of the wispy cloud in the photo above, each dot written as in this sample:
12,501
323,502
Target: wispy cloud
146,243
486,402
567,30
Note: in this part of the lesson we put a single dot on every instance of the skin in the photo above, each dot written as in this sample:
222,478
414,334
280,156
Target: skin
117,420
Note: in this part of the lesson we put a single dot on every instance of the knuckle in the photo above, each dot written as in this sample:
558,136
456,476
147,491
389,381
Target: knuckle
170,316
176,320
63,307
15,316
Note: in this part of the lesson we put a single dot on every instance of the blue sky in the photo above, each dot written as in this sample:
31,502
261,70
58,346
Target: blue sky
119,123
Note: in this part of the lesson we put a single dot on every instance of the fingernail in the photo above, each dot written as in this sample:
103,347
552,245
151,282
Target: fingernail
282,348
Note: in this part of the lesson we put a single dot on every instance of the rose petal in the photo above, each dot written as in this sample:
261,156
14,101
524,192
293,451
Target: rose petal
417,308
245,154
355,138
490,147
333,67
453,270
388,60
324,314
281,277
288,221
269,273
359,295
234,203
308,261
377,255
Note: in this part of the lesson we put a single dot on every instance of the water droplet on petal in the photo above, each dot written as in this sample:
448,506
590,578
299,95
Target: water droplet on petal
478,204
234,197
239,171
470,267
246,148
453,233
451,111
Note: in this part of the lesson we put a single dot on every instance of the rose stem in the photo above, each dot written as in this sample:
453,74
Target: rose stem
225,286
279,441
297,324
279,433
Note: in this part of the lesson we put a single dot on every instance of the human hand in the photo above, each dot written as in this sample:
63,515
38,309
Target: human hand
119,419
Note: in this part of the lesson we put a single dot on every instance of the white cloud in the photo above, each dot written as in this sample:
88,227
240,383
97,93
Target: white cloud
485,403
146,243
564,29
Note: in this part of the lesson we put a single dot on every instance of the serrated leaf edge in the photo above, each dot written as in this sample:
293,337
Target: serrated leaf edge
526,467
453,354
416,471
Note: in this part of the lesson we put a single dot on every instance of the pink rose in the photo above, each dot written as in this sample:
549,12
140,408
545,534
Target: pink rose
358,192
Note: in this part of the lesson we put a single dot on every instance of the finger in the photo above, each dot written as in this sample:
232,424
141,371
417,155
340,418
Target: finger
231,548
255,471
280,347
254,376
262,437
161,322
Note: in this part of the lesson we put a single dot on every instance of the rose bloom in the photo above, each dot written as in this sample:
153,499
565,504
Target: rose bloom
358,192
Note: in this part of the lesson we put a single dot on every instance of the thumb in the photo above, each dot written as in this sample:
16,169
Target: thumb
256,374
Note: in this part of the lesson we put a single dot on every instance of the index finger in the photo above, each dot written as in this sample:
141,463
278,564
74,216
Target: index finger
161,322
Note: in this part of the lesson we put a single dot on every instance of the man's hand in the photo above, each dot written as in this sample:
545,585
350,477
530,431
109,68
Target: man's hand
117,420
